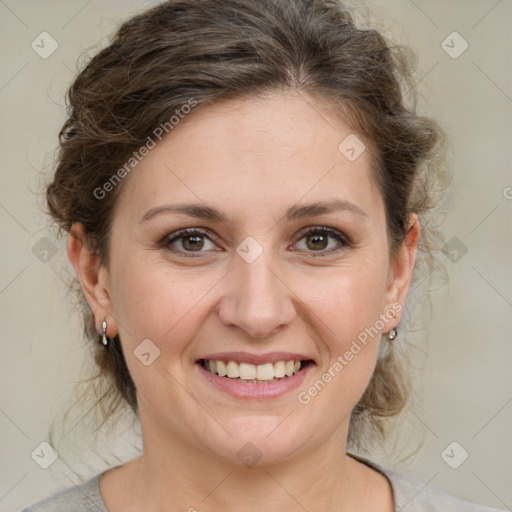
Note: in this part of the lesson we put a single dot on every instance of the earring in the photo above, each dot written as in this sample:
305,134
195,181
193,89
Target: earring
392,334
105,340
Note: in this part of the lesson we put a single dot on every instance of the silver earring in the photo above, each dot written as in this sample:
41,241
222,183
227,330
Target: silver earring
392,334
105,340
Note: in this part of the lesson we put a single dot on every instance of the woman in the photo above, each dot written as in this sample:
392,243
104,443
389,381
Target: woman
245,193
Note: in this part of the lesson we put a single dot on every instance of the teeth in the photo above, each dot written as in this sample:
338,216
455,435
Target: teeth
247,371
233,370
265,371
279,369
222,368
253,373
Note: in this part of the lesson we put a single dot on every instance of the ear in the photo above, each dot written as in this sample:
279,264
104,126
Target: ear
400,273
93,278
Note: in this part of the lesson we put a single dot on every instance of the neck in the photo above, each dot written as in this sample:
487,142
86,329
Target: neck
193,479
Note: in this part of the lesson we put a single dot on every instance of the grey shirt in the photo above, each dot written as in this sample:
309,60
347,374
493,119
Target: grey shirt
410,495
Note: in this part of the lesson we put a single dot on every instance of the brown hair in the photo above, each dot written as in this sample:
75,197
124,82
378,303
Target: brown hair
203,50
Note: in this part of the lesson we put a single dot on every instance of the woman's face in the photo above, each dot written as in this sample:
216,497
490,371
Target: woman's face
259,286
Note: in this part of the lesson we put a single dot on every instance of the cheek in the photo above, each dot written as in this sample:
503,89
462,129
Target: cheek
152,300
352,299
349,310
156,302
151,303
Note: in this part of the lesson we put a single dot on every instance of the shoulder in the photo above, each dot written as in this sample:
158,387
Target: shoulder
85,497
411,495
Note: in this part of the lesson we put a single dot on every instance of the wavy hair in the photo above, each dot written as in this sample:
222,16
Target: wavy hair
206,50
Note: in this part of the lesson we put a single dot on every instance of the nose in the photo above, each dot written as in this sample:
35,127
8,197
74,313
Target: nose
257,299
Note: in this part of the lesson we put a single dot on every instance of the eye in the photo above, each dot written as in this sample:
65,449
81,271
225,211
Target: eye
317,240
189,241
193,241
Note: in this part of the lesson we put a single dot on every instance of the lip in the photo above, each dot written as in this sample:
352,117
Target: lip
245,357
252,391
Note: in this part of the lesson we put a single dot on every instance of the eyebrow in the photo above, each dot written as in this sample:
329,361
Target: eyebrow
296,212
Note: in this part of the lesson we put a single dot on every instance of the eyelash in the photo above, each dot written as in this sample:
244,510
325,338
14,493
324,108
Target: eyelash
317,230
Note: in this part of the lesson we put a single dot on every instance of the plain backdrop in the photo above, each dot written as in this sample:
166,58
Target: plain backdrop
463,384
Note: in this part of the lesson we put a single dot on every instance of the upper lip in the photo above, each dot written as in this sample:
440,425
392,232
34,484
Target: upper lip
256,359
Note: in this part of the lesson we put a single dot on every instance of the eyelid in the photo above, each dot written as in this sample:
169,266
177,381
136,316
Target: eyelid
341,238
334,233
323,229
176,235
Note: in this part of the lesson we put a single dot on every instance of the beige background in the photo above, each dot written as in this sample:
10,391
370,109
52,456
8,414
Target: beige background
464,384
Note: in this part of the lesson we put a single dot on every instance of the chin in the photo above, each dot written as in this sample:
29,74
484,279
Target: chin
260,440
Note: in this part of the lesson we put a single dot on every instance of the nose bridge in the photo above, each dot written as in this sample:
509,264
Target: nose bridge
258,302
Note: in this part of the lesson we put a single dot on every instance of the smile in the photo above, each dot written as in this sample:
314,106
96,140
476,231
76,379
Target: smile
243,380
251,373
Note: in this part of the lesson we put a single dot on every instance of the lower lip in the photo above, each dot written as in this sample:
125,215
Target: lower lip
238,389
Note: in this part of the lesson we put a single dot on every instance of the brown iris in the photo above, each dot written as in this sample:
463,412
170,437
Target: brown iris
193,242
319,241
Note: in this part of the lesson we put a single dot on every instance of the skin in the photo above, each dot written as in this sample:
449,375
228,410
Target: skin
252,160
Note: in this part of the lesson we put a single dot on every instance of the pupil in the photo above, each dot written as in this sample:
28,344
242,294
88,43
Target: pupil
319,241
196,244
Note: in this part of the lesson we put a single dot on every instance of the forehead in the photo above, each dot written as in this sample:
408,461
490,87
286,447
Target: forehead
280,147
